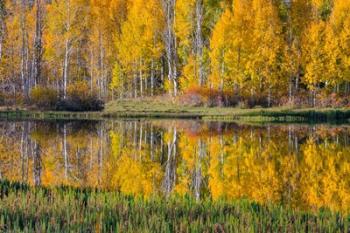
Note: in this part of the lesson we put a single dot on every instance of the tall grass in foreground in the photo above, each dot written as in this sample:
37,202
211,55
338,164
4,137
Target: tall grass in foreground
64,209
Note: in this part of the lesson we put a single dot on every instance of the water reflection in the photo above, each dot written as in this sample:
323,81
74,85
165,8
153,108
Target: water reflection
305,167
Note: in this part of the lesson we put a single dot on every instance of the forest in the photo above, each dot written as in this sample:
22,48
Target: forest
77,54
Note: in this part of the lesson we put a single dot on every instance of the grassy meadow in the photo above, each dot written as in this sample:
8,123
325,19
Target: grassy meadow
158,108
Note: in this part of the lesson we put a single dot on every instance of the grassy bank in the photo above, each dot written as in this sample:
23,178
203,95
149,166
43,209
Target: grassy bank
26,209
160,109
155,108
48,115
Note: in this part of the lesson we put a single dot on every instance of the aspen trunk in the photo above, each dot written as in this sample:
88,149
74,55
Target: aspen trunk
91,70
141,78
170,42
101,66
2,26
135,85
269,97
24,52
38,48
199,41
152,77
65,69
290,90
66,54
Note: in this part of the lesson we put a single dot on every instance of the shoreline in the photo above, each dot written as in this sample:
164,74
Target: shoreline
279,115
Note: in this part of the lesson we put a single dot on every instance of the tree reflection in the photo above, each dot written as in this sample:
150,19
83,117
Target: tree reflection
305,167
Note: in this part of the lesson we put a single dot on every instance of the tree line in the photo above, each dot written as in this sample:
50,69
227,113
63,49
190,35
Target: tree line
270,49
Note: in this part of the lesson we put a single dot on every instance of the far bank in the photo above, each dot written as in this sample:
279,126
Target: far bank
159,109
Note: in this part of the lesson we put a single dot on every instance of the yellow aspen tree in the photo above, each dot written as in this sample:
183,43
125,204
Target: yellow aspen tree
106,18
11,45
298,15
263,63
315,56
241,40
66,21
338,44
139,44
17,48
220,46
100,46
184,31
195,20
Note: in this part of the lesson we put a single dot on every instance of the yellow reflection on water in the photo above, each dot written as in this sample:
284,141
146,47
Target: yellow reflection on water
299,166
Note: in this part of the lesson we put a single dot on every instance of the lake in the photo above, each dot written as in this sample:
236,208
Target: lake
305,167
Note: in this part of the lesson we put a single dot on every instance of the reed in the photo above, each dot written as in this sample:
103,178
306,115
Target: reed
66,209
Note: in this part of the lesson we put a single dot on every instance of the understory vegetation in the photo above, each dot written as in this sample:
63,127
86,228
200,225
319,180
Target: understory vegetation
78,98
206,97
65,209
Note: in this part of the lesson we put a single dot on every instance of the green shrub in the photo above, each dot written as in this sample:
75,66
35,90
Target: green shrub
43,97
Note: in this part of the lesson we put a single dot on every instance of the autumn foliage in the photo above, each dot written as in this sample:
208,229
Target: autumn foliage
254,52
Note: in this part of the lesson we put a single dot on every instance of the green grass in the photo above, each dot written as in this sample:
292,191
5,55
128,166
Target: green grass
48,115
65,209
158,108
164,109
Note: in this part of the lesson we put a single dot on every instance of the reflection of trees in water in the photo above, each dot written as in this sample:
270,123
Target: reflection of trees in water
305,166
170,165
37,166
31,142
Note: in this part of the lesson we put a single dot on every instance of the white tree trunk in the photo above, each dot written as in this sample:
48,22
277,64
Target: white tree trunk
38,43
152,77
65,69
170,42
199,41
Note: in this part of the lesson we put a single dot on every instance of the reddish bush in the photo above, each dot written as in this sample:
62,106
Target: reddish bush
208,97
302,99
332,100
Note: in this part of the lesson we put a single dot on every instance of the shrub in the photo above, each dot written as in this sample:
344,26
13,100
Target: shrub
76,105
78,91
208,97
43,97
332,100
2,99
258,101
80,98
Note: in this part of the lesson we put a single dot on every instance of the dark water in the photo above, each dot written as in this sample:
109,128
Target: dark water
305,167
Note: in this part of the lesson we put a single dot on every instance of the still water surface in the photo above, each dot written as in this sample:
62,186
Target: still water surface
301,166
